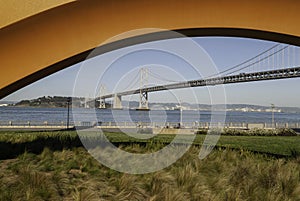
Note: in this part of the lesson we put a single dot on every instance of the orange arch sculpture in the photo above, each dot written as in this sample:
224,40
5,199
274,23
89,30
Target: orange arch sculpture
59,37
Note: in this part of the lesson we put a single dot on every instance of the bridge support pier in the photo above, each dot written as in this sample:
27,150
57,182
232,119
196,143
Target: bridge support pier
117,102
102,104
143,101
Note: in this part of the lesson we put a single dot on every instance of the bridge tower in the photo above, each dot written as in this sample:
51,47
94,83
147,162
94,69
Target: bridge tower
102,92
117,105
143,94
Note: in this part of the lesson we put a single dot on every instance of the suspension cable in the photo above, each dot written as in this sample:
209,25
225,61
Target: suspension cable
248,60
259,60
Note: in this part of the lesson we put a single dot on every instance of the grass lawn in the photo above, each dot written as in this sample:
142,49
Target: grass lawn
277,145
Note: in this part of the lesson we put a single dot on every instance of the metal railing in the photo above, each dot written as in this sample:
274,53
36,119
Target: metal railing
238,125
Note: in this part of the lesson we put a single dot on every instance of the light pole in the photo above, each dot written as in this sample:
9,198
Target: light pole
180,114
273,123
68,116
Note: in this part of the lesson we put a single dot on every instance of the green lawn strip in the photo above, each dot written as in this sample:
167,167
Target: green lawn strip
274,145
27,136
121,137
271,144
281,145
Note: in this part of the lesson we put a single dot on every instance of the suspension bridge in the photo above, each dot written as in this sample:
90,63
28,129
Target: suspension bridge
277,62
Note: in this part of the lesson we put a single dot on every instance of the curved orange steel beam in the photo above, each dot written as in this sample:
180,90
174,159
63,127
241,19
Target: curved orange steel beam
15,10
55,39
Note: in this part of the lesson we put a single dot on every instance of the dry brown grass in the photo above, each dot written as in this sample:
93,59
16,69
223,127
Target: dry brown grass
223,175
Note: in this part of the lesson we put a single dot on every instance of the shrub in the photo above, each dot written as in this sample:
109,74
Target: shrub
254,132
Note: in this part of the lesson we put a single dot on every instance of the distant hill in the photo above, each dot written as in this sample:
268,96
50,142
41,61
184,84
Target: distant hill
45,101
57,102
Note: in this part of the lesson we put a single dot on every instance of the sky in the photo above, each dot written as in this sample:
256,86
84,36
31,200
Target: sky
168,62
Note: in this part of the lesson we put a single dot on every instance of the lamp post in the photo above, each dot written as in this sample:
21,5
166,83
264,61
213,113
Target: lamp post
68,116
273,123
180,114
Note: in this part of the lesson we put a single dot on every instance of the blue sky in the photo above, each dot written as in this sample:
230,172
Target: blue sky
165,67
